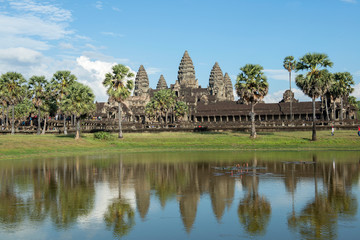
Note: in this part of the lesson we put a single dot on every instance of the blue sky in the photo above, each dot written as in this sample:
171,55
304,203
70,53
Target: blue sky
88,37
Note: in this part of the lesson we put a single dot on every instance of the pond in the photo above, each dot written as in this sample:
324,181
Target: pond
194,195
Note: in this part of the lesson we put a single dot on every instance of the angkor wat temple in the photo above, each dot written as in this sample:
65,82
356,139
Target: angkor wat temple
214,104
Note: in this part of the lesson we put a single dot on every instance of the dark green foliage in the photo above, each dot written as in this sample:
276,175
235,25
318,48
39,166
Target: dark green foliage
103,136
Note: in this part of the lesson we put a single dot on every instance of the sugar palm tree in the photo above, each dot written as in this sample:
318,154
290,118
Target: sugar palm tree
119,87
12,88
290,64
344,87
252,87
327,81
310,83
60,82
80,102
37,87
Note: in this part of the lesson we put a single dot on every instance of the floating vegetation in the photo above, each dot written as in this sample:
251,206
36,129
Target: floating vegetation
241,170
300,162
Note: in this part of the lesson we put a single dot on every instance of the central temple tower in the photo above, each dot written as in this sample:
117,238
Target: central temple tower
186,73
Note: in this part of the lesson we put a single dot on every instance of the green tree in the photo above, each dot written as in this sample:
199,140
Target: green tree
181,109
252,86
310,83
23,109
37,87
60,82
119,87
289,64
344,82
326,81
80,102
12,88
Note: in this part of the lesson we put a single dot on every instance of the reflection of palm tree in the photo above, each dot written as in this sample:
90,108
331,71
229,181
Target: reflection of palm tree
11,207
254,210
120,218
318,220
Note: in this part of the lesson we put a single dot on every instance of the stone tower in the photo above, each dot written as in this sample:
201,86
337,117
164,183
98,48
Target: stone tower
141,82
161,83
216,83
186,73
229,93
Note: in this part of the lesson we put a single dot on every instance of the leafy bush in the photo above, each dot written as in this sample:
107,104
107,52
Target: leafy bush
103,136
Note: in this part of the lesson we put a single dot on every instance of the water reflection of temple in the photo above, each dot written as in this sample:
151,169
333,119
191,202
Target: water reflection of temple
65,191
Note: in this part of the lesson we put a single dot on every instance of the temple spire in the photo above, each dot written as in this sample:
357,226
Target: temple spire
161,83
186,73
141,82
229,93
216,83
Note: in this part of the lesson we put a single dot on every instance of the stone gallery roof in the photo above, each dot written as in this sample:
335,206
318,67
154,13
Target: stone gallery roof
234,108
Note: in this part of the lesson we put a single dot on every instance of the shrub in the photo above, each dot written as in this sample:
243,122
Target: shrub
103,136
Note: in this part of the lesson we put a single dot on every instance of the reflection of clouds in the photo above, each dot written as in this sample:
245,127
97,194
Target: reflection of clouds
103,197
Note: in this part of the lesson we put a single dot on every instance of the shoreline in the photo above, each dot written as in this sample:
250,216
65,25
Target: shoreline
22,146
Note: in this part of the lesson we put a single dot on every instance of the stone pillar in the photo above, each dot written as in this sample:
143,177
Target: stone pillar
234,118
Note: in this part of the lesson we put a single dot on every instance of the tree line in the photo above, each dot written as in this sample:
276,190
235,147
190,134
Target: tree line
315,81
63,94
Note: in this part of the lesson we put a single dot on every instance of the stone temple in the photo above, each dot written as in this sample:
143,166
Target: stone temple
213,104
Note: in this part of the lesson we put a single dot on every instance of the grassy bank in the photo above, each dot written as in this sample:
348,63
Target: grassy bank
26,146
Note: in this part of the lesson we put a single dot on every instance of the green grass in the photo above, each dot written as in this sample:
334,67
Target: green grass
27,146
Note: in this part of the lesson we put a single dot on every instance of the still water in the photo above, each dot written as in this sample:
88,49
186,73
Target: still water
218,195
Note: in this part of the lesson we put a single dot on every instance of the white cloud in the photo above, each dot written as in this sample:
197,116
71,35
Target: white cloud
356,92
31,26
51,12
152,70
278,96
66,45
92,73
116,9
349,1
277,74
112,34
20,56
99,5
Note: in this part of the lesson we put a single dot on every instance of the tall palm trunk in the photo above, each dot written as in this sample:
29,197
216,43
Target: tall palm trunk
44,129
327,109
291,113
253,131
334,110
7,117
65,127
77,135
314,117
13,120
120,128
39,122
341,108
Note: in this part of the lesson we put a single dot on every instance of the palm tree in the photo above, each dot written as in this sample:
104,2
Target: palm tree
60,82
37,87
12,88
327,81
289,64
79,102
119,87
181,109
310,83
252,87
344,82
